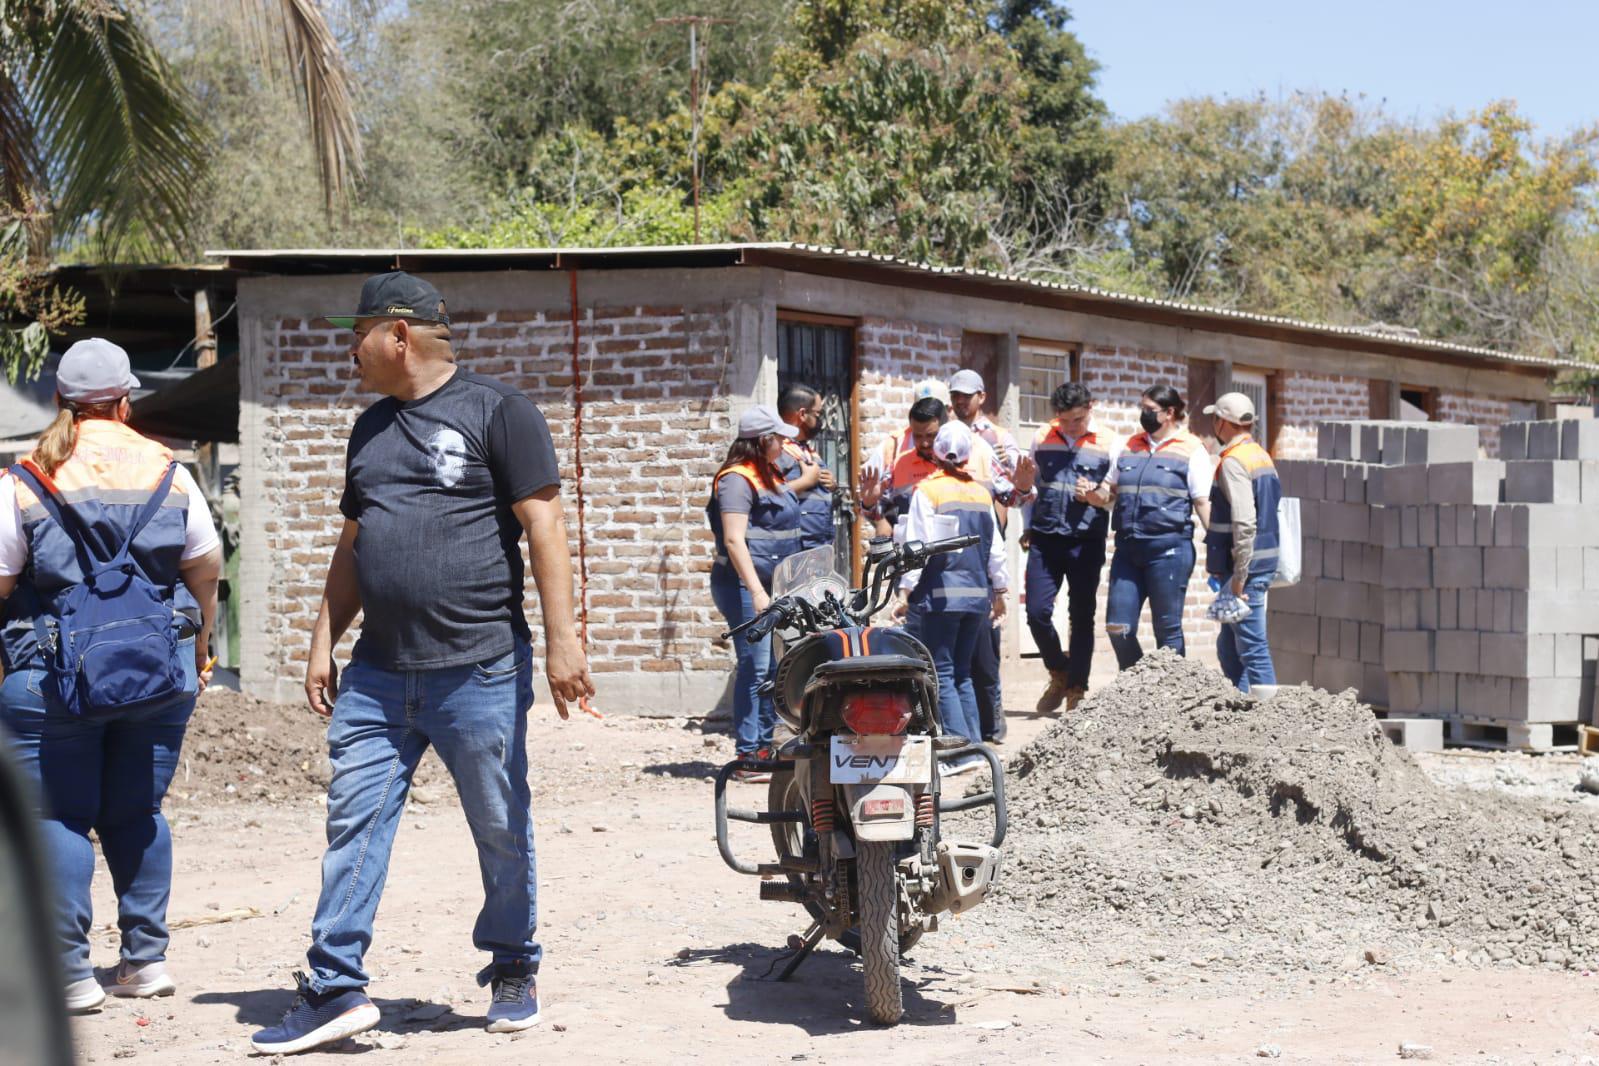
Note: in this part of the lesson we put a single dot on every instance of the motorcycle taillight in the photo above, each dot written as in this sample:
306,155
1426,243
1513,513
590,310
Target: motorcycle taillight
878,713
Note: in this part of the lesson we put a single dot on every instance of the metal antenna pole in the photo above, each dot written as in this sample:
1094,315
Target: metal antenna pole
694,22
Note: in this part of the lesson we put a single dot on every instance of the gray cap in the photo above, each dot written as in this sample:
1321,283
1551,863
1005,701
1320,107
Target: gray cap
1235,407
94,371
969,382
762,419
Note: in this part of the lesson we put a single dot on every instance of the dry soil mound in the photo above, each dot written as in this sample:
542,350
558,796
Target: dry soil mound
1169,813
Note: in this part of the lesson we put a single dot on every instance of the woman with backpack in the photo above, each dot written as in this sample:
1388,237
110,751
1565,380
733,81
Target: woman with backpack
108,570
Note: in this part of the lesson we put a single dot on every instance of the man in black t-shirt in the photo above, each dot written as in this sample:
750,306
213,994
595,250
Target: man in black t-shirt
442,478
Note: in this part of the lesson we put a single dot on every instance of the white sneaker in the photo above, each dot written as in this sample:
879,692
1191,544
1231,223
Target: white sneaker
84,996
140,980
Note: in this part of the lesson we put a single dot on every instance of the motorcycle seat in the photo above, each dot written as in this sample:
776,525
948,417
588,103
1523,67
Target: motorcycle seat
887,667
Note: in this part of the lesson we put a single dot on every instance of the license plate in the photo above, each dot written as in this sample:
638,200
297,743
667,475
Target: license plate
880,760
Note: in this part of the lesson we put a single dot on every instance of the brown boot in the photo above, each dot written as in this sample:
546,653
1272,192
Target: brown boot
1074,696
1051,700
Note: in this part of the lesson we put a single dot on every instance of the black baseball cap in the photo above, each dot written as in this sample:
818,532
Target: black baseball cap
396,295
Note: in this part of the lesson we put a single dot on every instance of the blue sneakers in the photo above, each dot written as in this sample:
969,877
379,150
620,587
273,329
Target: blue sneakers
515,1005
317,1018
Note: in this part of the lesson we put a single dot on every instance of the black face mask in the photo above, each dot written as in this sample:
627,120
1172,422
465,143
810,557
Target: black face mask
1150,420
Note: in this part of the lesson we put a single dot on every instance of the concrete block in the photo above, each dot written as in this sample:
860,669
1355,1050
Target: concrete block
1589,478
1407,650
1414,734
1448,608
1543,526
1427,526
1293,667
1373,685
1518,610
1590,568
1457,567
1407,568
1471,482
1315,481
1543,481
1485,526
1440,442
1428,612
1503,611
1387,519
1349,640
1456,651
1404,692
1342,600
1345,521
1328,644
1292,631
1573,611
1505,526
1326,441
1579,438
1547,699
1468,608
1466,526
1505,568
1310,549
1567,654
1343,435
1299,599
1332,560
1567,568
1513,440
1409,526
1403,485
1335,675
1355,483
1447,526
1516,655
1371,643
1439,693
1543,440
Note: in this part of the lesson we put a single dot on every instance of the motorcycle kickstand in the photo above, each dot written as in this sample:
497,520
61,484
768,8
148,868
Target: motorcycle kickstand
813,936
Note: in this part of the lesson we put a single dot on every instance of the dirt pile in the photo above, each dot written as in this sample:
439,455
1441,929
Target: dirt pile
241,748
1172,815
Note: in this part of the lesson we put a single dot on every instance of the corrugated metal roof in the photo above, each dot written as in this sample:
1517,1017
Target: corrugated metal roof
804,256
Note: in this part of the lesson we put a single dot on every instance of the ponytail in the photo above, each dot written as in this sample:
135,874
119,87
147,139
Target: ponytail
57,441
60,437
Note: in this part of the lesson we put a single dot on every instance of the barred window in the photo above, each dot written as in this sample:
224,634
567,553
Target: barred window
1044,368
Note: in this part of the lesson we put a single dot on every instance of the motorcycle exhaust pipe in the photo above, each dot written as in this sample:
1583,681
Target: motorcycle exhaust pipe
782,892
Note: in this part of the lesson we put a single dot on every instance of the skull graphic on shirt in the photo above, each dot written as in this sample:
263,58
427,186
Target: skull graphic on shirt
447,451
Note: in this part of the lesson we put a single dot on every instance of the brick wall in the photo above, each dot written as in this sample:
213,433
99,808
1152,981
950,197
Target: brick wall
891,357
1484,412
1306,400
656,425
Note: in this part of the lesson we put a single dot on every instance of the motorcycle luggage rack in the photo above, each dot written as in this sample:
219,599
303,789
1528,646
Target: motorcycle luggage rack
792,864
994,797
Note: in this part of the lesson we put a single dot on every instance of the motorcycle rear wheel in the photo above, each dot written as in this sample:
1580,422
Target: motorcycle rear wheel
789,838
877,875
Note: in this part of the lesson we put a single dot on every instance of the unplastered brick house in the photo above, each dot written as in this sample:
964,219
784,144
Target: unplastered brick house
668,345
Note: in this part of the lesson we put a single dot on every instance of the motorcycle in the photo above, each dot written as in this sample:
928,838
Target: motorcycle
856,797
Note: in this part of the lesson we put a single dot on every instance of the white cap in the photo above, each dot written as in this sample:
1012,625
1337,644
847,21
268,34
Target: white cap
953,444
1235,407
762,419
93,371
969,382
930,387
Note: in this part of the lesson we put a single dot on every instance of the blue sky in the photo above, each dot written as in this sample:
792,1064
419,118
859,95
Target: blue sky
1421,58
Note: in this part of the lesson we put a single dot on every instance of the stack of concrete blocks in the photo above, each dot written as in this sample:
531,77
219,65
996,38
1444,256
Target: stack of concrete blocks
1486,579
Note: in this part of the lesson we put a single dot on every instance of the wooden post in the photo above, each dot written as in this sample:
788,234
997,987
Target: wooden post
205,338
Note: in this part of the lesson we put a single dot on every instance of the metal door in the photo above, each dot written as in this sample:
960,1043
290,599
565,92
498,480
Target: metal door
823,357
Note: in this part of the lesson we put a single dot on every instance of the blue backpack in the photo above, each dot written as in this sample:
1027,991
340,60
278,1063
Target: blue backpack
112,646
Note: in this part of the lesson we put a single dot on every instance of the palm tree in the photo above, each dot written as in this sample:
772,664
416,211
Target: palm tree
98,138
96,132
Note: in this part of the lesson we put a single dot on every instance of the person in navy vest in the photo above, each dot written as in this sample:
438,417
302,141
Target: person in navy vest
801,407
958,595
1160,481
755,520
103,774
1242,541
1065,540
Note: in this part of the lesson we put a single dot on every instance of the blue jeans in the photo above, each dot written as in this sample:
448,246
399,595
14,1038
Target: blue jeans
951,637
1154,570
475,717
753,714
1242,647
1078,561
109,775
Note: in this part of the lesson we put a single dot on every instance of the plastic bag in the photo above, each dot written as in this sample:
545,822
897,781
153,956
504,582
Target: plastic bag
1290,553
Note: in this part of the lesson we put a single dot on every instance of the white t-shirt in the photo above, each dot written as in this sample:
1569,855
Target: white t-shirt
198,538
1201,473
